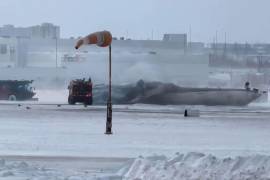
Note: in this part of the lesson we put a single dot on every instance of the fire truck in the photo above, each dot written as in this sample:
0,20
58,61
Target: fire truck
80,90
14,90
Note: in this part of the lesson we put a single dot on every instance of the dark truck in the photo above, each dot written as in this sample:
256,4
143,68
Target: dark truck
14,90
80,90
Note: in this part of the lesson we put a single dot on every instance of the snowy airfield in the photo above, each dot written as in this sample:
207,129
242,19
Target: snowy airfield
51,140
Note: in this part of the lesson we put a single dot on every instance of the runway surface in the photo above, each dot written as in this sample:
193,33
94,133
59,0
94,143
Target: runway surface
64,137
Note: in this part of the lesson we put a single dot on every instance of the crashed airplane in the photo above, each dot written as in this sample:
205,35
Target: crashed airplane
170,94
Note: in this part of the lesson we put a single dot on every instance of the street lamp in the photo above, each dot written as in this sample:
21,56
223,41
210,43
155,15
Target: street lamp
102,39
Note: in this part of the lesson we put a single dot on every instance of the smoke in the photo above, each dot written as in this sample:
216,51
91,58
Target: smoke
126,68
131,61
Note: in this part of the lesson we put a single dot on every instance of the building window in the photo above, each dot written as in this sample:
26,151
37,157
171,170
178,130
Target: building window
12,50
3,48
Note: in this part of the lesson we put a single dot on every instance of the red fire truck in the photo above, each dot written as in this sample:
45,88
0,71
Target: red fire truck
80,90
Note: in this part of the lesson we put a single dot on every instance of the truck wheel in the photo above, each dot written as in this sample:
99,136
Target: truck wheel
89,101
12,98
71,101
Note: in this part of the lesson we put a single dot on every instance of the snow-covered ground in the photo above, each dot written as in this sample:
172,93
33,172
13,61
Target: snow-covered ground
49,140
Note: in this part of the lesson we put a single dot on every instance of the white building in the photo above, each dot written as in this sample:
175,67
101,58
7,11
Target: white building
44,31
8,53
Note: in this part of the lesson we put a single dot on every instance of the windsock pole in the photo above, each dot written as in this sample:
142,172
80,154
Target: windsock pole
109,103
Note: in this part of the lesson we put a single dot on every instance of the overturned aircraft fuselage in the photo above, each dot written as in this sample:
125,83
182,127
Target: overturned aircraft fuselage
170,94
209,97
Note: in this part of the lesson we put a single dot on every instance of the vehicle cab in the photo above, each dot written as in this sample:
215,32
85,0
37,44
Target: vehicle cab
80,90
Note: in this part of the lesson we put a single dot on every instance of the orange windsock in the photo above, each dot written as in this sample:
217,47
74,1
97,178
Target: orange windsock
102,39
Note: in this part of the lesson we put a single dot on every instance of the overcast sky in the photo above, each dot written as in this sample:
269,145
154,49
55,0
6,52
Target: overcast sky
242,20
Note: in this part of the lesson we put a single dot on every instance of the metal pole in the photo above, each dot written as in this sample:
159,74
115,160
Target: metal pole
190,37
109,103
56,63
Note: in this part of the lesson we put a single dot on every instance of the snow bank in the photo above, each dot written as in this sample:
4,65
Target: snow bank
199,166
19,170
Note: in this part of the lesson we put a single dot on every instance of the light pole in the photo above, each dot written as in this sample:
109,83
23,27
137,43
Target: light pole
102,39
